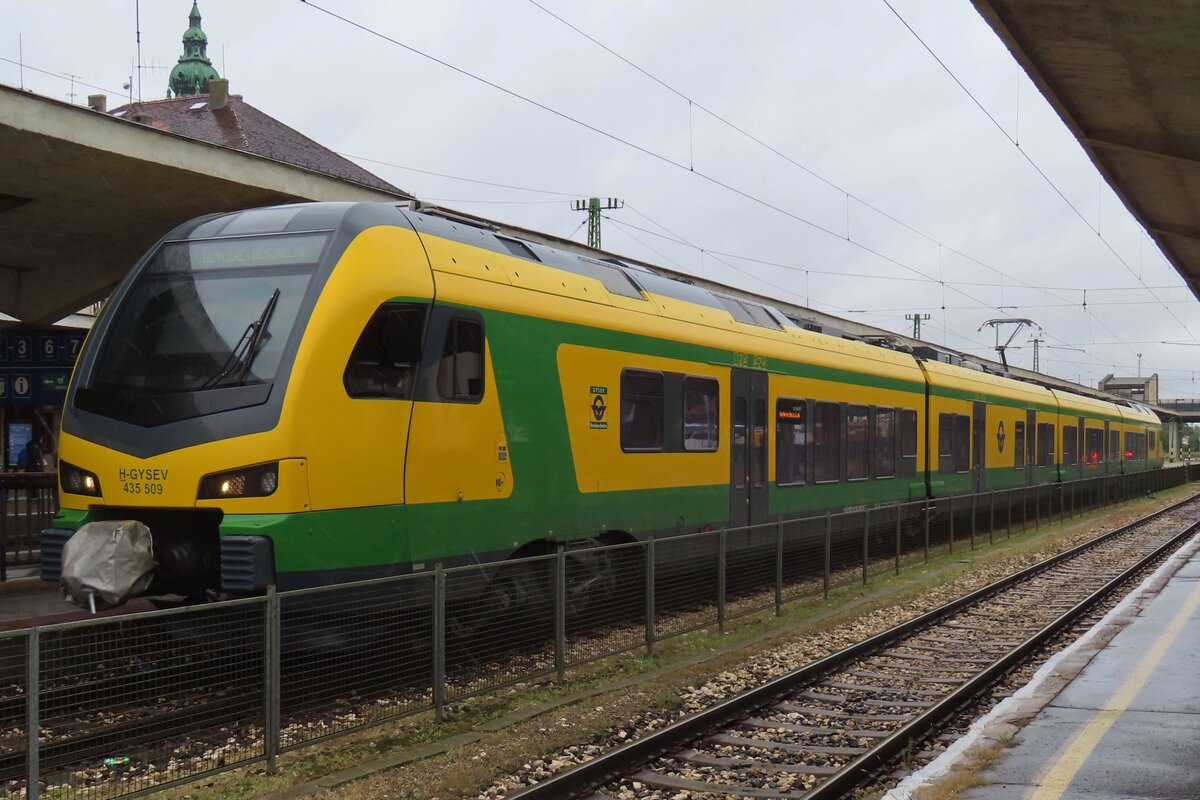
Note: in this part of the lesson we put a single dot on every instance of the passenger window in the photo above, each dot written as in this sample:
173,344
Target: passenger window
908,442
700,420
385,358
641,410
885,443
945,443
790,432
1070,444
827,442
460,374
1019,445
758,464
1095,445
857,448
1045,444
962,443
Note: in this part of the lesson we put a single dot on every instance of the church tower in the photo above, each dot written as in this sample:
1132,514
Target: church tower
193,72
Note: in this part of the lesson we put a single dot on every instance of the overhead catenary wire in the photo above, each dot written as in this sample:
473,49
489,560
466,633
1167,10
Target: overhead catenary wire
693,103
1095,229
625,142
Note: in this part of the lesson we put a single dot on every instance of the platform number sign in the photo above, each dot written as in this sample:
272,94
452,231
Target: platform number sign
35,365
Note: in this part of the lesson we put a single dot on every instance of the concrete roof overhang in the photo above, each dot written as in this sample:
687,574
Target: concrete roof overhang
83,195
1125,78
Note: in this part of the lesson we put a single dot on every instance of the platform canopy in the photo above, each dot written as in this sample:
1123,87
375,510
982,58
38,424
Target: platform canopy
1125,78
83,195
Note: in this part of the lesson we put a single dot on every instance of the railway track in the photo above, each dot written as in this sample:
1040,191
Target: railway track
829,727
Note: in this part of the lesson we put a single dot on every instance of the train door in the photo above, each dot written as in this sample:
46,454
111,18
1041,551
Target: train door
978,446
1106,454
748,448
1030,447
1081,452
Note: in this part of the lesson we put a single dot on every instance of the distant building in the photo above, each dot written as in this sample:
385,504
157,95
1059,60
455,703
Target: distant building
199,106
1143,390
193,72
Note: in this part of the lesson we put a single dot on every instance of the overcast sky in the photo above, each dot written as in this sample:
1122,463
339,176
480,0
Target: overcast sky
842,90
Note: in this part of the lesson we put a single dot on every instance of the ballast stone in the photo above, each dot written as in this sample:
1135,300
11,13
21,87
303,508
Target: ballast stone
106,563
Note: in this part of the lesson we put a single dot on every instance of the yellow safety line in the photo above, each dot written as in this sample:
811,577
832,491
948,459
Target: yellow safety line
1059,776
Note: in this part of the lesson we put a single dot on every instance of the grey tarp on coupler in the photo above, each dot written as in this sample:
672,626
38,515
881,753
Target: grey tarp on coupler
106,563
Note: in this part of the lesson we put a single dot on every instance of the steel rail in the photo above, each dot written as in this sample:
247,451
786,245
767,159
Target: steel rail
590,776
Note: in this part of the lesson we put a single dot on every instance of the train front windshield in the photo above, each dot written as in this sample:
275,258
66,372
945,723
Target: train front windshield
208,314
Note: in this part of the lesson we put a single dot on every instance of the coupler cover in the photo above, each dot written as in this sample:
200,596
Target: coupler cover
106,563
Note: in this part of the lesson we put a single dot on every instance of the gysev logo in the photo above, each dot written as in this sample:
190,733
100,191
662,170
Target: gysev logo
1000,436
599,407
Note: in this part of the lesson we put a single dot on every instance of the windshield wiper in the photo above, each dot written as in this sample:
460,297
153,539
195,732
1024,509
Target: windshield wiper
247,345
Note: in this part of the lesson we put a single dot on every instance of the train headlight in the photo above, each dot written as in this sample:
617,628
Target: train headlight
259,481
77,481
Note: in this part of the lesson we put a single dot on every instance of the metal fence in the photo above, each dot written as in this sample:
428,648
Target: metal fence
28,501
120,706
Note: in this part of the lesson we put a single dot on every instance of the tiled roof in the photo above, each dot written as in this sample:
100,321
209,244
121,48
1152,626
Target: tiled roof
241,126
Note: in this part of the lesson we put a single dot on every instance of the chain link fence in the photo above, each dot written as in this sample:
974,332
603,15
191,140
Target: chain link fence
120,706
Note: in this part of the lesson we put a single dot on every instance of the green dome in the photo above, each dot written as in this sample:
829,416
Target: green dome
193,72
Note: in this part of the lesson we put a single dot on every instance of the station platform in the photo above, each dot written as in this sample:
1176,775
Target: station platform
1115,715
26,602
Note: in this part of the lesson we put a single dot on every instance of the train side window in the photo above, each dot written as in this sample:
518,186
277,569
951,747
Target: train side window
885,442
1070,444
641,410
1114,446
790,441
384,361
700,419
1094,441
908,442
945,443
1153,442
460,373
962,443
827,442
858,450
1045,444
758,463
1019,444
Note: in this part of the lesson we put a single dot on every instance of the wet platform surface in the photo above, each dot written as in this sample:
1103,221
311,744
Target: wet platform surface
1128,726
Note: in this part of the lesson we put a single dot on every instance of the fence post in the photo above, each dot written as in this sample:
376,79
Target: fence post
721,581
866,546
779,569
951,524
32,707
271,678
991,518
828,547
899,514
649,592
439,642
560,614
1037,510
1008,498
925,522
1024,508
974,514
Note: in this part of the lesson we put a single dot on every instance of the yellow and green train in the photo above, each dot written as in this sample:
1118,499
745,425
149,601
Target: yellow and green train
317,393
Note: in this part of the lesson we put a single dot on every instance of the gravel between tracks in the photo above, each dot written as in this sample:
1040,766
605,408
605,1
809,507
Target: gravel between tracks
600,723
